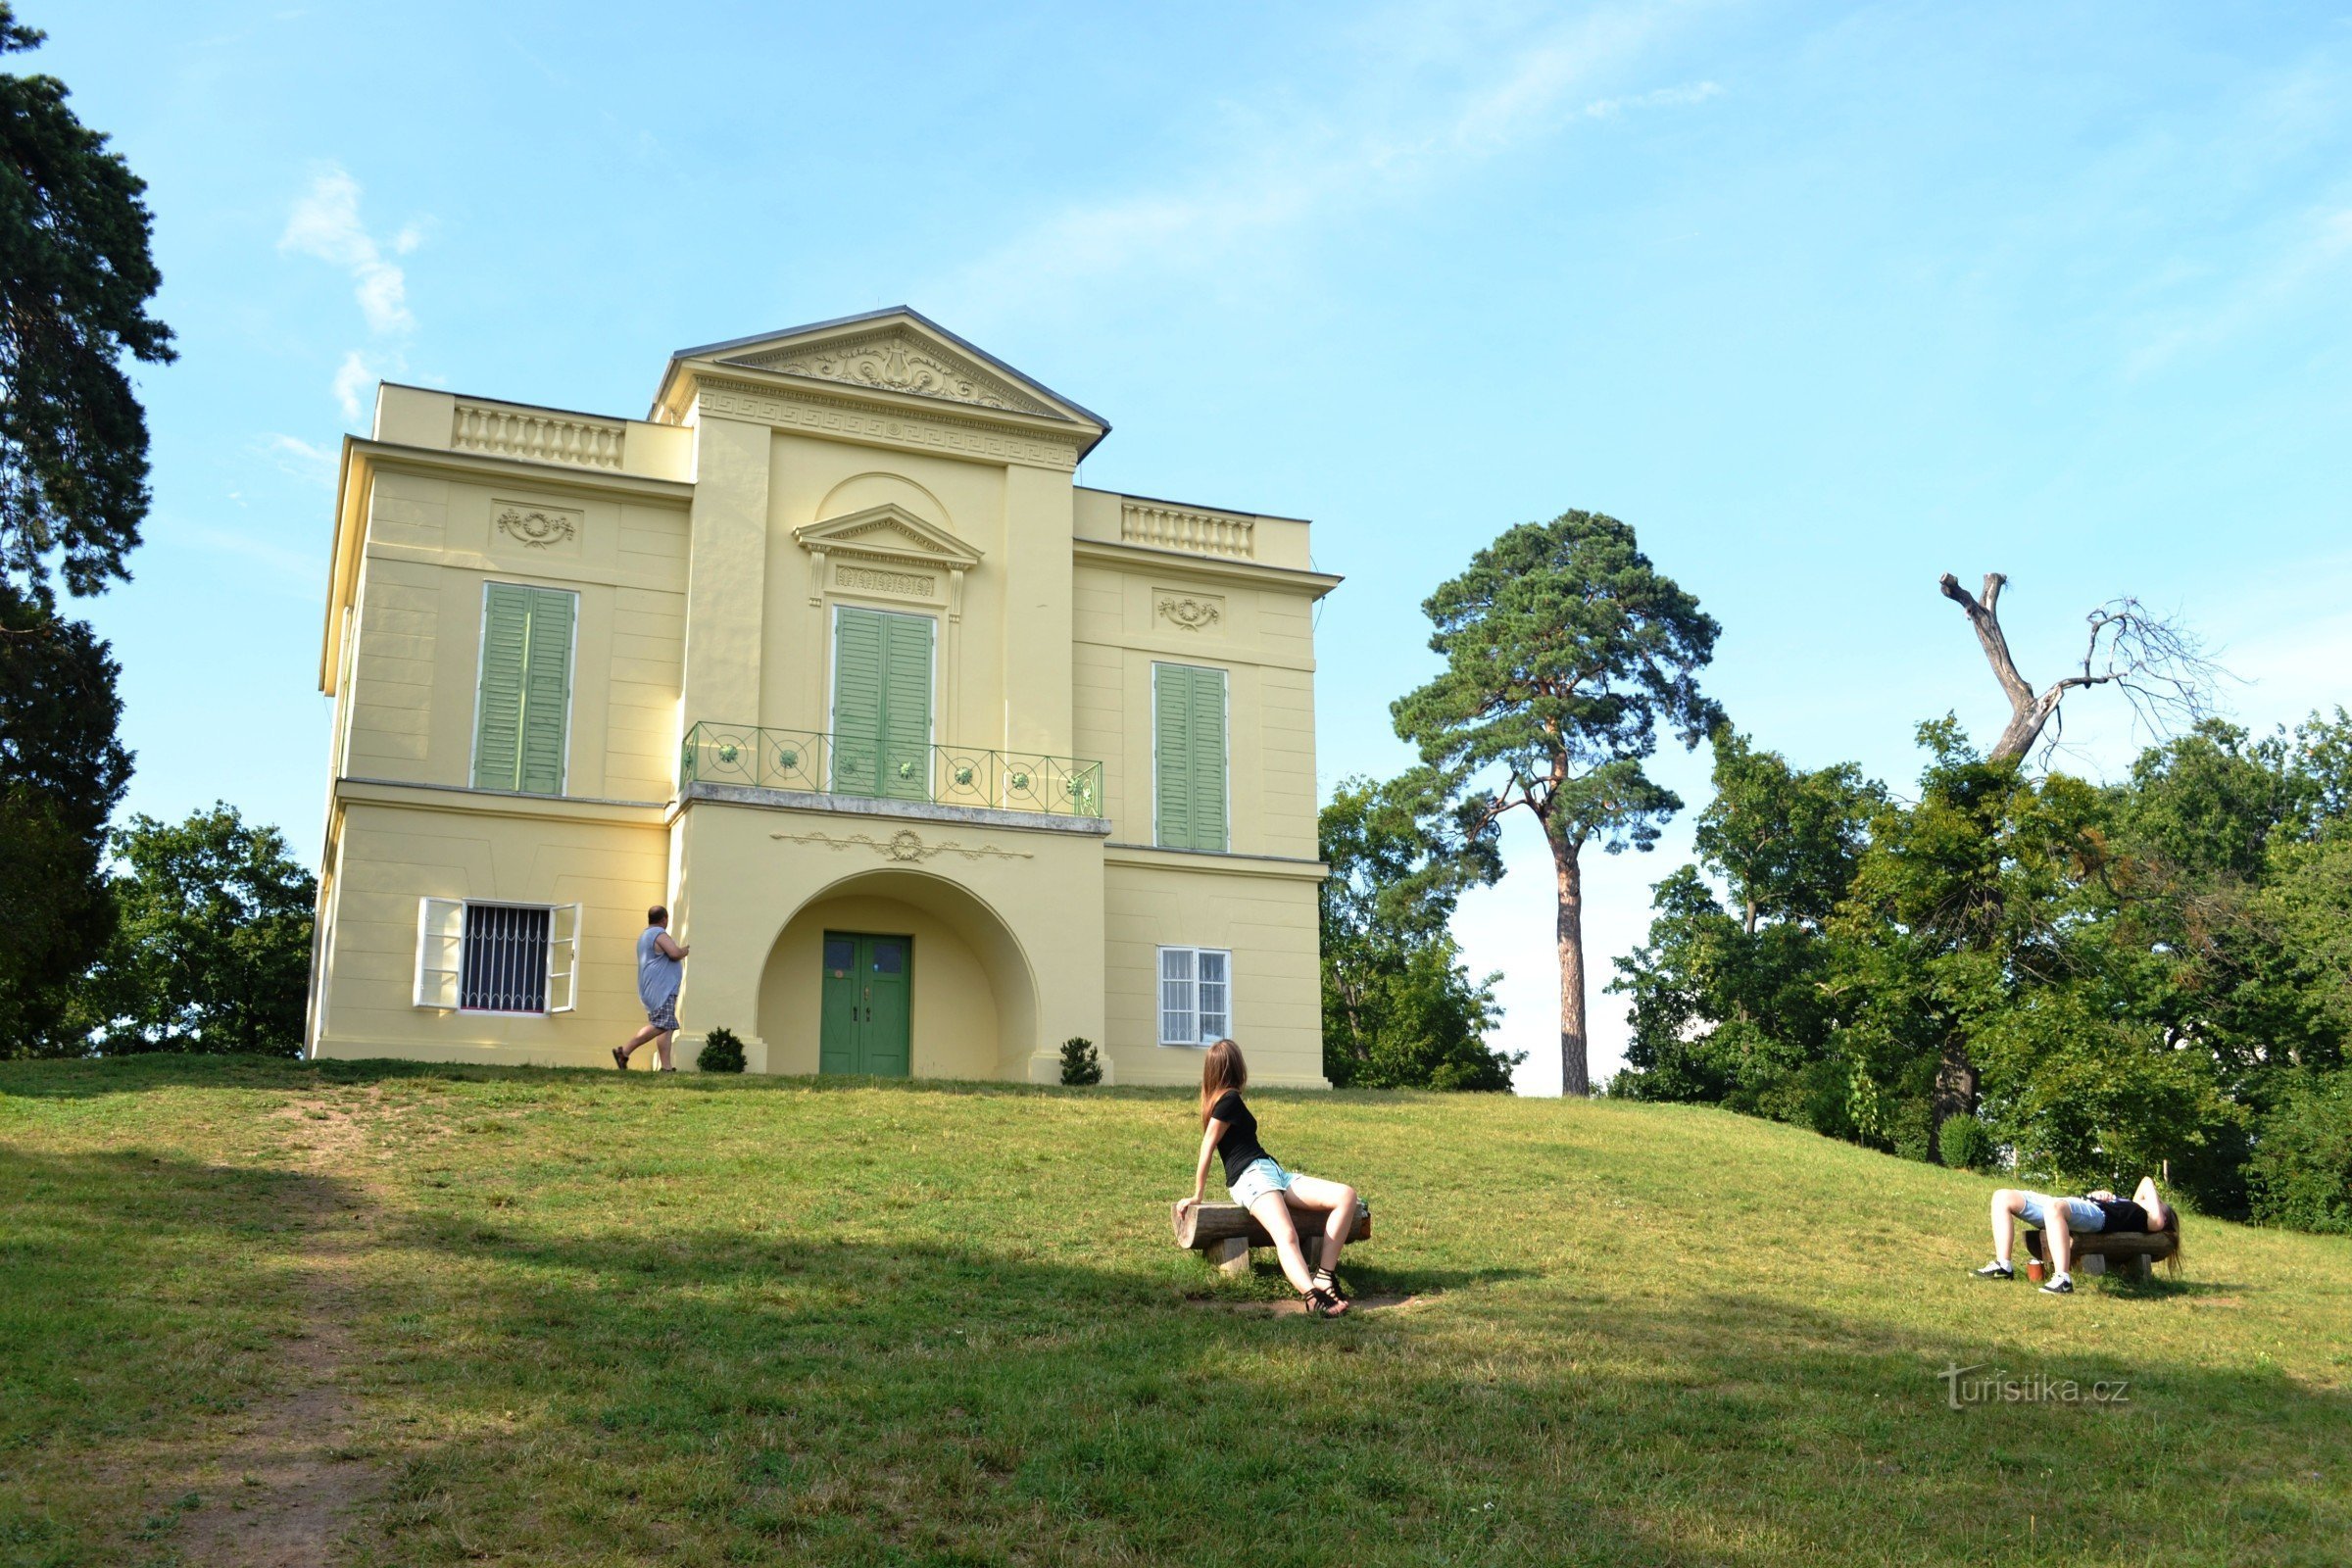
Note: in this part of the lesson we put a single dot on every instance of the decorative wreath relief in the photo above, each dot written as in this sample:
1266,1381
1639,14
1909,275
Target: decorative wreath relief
538,529
1192,613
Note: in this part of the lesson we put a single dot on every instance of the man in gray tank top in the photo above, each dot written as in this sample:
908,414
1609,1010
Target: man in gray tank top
659,962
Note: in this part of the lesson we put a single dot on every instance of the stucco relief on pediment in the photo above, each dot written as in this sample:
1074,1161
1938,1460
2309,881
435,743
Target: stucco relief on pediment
897,358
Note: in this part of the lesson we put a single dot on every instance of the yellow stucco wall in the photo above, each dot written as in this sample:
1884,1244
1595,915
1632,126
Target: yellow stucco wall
395,846
432,543
953,1030
711,550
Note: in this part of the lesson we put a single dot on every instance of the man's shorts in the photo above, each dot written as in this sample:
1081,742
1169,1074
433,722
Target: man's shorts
664,1016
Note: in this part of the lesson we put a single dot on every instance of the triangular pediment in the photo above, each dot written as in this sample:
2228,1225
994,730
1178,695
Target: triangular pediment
888,532
898,350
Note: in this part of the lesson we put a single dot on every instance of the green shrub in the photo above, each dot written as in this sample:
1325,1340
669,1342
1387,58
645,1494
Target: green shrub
722,1053
1965,1144
1079,1063
2301,1173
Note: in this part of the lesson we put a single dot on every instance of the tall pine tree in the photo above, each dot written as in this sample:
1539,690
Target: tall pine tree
75,276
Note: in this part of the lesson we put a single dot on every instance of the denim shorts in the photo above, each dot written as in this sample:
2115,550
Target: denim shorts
2082,1214
1258,1178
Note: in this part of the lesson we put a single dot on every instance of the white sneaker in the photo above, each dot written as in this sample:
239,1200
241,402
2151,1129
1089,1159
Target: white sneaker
2060,1285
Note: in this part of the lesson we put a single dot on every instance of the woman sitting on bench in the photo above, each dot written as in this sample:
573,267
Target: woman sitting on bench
1264,1187
2060,1218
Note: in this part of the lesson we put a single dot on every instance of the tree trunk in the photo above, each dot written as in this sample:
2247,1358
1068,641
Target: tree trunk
1575,1074
2028,713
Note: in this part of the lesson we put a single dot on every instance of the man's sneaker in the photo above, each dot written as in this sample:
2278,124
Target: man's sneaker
1997,1270
2062,1284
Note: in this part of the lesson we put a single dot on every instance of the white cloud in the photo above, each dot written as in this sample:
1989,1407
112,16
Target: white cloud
1696,92
351,380
326,223
1436,92
298,457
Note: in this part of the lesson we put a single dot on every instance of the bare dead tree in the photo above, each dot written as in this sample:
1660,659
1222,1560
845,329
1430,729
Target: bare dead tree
2159,665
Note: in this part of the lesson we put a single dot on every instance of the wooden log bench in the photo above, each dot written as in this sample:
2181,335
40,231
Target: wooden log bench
2138,1251
1224,1233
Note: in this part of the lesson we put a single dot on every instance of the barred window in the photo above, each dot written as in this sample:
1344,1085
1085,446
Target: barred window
506,958
497,957
1195,995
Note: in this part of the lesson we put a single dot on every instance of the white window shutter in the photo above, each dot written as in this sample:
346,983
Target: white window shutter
563,957
440,950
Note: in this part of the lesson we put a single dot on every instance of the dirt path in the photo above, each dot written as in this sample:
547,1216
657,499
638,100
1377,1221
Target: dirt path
279,1481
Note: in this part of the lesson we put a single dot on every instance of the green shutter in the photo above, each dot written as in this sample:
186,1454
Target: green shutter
497,736
546,692
1188,727
906,707
1208,759
857,701
1171,709
525,700
882,704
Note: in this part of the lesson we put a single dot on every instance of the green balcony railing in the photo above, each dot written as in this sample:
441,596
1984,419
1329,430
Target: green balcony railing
945,775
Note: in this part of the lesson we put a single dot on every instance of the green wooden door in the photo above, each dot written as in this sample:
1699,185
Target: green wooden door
839,1005
887,1041
865,1007
882,704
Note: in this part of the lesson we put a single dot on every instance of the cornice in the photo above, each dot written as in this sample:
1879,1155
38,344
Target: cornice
351,791
1218,862
521,470
1139,558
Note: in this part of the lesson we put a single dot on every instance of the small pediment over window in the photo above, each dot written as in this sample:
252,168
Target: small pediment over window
888,532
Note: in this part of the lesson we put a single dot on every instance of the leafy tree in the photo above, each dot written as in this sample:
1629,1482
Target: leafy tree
1738,1009
1565,650
1961,904
212,952
1398,1009
62,771
75,276
2301,1172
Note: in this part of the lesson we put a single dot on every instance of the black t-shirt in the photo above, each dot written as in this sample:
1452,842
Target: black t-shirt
1238,1146
2122,1215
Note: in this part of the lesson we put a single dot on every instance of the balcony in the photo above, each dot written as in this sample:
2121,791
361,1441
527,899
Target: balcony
814,763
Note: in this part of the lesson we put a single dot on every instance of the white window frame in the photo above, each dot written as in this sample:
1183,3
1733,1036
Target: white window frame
1194,982
441,956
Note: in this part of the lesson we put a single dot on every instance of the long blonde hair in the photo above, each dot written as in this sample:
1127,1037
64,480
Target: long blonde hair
1222,1069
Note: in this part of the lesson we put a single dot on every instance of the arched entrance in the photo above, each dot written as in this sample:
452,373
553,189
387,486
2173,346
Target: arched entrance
898,972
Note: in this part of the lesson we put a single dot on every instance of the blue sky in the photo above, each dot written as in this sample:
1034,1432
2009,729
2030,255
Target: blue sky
1825,301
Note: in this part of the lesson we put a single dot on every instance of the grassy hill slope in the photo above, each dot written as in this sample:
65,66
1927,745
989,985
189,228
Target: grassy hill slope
568,1318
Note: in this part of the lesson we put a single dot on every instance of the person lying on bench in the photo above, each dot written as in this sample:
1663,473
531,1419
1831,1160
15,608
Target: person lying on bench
2061,1218
1264,1187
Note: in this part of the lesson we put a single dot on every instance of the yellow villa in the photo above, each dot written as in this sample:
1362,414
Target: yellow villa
937,757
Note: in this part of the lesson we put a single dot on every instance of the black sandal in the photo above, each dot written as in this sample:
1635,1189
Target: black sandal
1321,1303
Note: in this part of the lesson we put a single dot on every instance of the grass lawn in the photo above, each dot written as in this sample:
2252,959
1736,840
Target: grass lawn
558,1317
